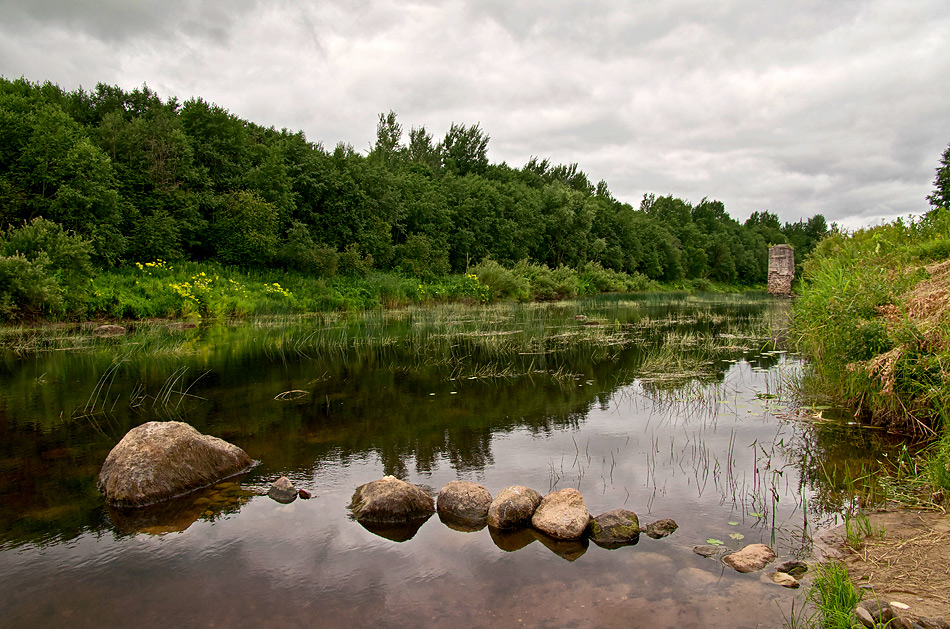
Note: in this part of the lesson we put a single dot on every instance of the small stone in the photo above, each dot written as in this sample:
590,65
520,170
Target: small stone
784,579
708,550
616,528
899,605
283,491
793,567
751,558
864,616
660,528
303,493
880,611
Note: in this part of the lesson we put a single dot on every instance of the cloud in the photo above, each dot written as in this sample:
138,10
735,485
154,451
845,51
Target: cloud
797,108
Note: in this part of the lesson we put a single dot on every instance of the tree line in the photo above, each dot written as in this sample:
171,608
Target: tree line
140,178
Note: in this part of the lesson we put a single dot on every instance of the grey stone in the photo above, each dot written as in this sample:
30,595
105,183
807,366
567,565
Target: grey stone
793,567
562,515
513,507
160,460
708,550
660,528
616,528
750,558
784,579
283,491
390,500
464,502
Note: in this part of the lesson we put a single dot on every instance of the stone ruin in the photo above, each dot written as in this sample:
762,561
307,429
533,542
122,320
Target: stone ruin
781,270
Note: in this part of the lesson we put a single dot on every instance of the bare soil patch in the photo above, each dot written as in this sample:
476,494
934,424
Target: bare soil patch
909,564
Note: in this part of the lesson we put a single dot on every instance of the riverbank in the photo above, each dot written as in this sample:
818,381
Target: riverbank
874,320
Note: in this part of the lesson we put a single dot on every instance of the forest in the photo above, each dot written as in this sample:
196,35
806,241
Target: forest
97,181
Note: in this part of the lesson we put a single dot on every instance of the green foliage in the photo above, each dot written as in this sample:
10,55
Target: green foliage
504,283
940,197
140,178
833,595
855,320
245,230
46,270
26,287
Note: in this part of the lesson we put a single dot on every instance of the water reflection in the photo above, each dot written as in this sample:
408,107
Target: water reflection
671,407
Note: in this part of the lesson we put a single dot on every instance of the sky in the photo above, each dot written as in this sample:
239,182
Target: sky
840,108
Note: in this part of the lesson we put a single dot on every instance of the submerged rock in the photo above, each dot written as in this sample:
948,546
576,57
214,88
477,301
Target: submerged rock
660,528
464,504
793,567
160,460
513,507
708,550
751,558
562,514
390,500
614,529
283,491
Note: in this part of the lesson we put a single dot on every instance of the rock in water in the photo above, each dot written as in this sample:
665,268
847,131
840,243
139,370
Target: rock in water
751,558
562,515
464,502
616,528
660,528
784,579
283,491
161,460
390,500
513,507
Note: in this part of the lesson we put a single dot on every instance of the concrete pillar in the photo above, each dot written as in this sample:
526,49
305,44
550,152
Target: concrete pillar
781,269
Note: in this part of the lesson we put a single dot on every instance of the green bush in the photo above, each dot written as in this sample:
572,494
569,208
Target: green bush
504,283
26,289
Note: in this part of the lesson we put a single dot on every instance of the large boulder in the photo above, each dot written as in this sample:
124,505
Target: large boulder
751,558
513,507
390,500
463,503
614,529
160,460
562,514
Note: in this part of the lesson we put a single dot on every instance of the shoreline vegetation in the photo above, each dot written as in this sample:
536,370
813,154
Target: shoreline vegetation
873,318
120,204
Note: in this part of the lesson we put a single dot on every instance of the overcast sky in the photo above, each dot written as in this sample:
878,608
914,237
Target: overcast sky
838,107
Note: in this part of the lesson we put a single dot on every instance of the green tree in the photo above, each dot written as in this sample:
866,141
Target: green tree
940,197
245,230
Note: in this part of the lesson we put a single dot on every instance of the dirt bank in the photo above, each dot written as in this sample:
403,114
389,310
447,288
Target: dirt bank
909,564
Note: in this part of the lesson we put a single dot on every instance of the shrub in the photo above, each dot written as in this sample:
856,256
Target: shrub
504,283
26,288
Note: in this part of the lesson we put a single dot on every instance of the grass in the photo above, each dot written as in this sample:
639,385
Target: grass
858,528
874,319
833,596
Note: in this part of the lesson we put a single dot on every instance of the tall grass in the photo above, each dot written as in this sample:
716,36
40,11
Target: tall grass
873,317
834,597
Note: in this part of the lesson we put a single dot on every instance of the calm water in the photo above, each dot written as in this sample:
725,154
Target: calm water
672,407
